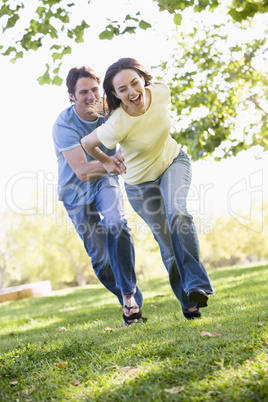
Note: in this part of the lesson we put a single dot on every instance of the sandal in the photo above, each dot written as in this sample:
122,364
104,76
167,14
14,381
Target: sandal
134,317
191,315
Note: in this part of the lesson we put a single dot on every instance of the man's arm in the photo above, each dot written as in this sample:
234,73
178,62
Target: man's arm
112,164
83,169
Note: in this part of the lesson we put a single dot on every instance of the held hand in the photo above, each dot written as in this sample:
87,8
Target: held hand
118,155
113,165
120,161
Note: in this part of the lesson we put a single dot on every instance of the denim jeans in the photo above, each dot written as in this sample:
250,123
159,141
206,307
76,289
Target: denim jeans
162,205
107,240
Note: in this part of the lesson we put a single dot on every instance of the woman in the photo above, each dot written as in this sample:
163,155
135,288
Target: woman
157,174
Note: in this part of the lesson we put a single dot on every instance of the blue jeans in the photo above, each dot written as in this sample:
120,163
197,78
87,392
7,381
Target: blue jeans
162,205
107,240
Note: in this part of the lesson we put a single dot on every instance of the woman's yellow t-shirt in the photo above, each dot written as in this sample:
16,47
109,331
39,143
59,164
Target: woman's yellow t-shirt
147,146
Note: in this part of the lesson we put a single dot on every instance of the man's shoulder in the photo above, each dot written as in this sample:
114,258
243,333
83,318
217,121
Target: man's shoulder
64,124
101,120
66,116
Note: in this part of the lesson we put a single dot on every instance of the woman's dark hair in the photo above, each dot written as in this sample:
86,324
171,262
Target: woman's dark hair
122,64
79,72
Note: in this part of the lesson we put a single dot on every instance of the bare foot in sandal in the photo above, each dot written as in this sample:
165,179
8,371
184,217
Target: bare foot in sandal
130,306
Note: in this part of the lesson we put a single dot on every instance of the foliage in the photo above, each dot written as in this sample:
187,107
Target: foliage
52,23
168,358
43,247
231,242
47,247
217,82
8,246
217,79
239,10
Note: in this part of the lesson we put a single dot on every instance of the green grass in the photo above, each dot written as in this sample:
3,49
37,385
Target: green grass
164,359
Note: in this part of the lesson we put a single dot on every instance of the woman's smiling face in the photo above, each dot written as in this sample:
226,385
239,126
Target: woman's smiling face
129,88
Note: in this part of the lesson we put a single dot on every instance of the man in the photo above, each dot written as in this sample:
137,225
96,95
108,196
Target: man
91,196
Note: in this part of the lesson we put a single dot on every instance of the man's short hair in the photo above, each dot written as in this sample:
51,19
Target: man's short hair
78,72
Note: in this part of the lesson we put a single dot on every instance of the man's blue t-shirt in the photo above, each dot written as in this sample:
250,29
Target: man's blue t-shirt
67,132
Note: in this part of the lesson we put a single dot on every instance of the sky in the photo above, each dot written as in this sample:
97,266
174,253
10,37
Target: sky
28,111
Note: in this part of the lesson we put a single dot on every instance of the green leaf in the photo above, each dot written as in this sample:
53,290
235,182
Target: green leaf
53,33
62,15
57,69
106,35
19,55
202,4
45,78
128,17
57,80
177,19
57,56
236,16
9,50
130,30
57,47
144,25
34,45
67,50
40,11
116,31
51,2
11,22
248,11
6,10
78,32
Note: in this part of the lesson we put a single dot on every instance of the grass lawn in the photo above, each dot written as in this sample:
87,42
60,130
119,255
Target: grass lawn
222,357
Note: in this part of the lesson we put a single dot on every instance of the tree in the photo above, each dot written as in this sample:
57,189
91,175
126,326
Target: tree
232,243
52,23
217,83
214,80
8,246
36,247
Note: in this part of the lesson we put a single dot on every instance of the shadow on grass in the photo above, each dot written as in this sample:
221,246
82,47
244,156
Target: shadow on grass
165,357
225,272
167,352
216,384
96,303
76,297
241,286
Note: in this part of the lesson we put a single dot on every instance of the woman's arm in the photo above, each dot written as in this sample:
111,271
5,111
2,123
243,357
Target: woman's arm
112,164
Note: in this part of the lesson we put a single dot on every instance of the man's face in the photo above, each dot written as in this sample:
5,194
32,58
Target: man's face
86,98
